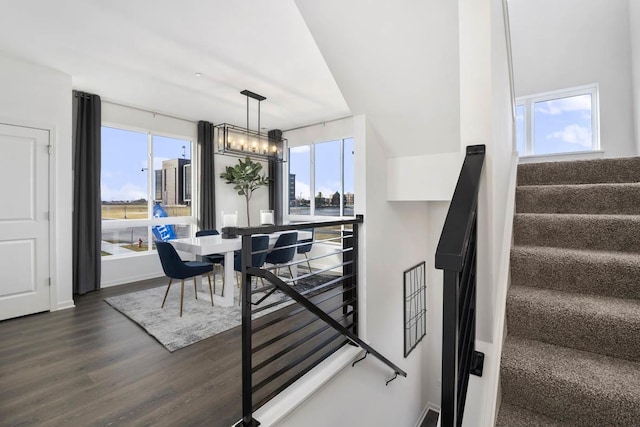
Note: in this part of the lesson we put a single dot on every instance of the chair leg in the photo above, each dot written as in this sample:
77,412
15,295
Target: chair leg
223,278
195,287
291,274
214,277
181,297
210,288
166,293
262,280
309,265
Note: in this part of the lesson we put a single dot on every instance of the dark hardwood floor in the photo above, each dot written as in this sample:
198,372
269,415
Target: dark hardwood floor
92,366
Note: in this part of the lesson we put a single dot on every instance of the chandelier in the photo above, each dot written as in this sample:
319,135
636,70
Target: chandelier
238,141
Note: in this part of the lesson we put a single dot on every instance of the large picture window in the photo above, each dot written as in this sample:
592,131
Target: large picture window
321,179
145,180
558,122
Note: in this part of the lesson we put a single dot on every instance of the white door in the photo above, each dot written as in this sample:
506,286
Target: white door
24,221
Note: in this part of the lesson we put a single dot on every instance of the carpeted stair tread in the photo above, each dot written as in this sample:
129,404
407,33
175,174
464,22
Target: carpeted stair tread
623,198
616,274
574,386
603,325
625,169
595,232
515,416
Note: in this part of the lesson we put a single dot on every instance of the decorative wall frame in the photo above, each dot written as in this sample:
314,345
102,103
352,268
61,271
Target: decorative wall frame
415,306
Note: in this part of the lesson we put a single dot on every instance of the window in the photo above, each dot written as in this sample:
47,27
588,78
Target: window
558,122
321,179
144,178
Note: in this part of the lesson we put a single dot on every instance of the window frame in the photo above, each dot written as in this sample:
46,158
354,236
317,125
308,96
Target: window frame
150,221
312,184
529,101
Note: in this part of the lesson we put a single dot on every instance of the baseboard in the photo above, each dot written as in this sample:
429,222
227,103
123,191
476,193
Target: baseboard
63,305
131,279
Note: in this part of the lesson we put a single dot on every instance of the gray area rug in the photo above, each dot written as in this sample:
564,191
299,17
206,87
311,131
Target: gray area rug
199,319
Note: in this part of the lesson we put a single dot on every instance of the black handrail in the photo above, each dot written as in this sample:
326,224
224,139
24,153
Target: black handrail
456,255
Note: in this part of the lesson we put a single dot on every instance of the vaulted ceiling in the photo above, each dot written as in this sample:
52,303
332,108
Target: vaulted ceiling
146,53
396,62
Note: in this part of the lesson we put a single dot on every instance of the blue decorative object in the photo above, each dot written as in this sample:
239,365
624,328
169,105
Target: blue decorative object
162,232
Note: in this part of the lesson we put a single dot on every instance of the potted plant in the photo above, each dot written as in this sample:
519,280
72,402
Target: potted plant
246,178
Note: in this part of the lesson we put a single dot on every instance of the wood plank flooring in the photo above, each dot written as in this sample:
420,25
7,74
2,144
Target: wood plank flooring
93,366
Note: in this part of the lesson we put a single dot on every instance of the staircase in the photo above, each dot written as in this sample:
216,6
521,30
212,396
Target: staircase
572,351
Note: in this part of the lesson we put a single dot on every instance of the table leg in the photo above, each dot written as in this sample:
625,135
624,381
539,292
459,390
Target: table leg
226,299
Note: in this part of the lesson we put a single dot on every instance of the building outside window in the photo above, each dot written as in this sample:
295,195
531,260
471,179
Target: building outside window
557,122
145,179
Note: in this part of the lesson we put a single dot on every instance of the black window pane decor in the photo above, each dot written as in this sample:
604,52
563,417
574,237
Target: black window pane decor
415,307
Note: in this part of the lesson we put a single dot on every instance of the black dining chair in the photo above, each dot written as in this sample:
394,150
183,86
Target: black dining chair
283,251
305,246
175,268
215,259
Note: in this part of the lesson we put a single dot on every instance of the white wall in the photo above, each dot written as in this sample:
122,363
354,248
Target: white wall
634,26
397,63
228,200
559,44
115,270
41,97
358,396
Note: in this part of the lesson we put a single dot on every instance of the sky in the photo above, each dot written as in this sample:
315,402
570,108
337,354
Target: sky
327,171
560,125
125,167
125,161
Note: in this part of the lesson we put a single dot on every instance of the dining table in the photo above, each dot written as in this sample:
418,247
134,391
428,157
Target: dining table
215,244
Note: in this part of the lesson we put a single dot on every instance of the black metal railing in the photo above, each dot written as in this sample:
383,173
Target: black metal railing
457,256
291,324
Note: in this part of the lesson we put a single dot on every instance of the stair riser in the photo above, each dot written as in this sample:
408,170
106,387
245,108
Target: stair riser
578,231
611,277
571,327
614,199
580,172
563,401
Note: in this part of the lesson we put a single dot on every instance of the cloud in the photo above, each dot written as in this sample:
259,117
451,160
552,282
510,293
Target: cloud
558,106
573,134
126,192
302,190
157,162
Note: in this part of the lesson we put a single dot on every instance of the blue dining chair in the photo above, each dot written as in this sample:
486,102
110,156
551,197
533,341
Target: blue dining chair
175,268
215,259
259,244
305,246
283,251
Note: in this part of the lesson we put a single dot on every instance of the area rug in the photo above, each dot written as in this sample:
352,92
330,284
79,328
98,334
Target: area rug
199,319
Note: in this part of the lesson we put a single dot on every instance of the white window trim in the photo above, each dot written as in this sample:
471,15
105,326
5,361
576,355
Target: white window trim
312,184
151,221
529,123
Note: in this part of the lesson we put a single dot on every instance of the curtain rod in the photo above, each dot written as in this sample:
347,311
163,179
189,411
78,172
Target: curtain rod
148,111
319,123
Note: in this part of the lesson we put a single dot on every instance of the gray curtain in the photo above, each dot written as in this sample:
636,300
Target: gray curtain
275,183
87,215
207,177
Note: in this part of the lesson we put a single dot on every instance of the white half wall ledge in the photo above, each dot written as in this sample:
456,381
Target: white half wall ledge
430,177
